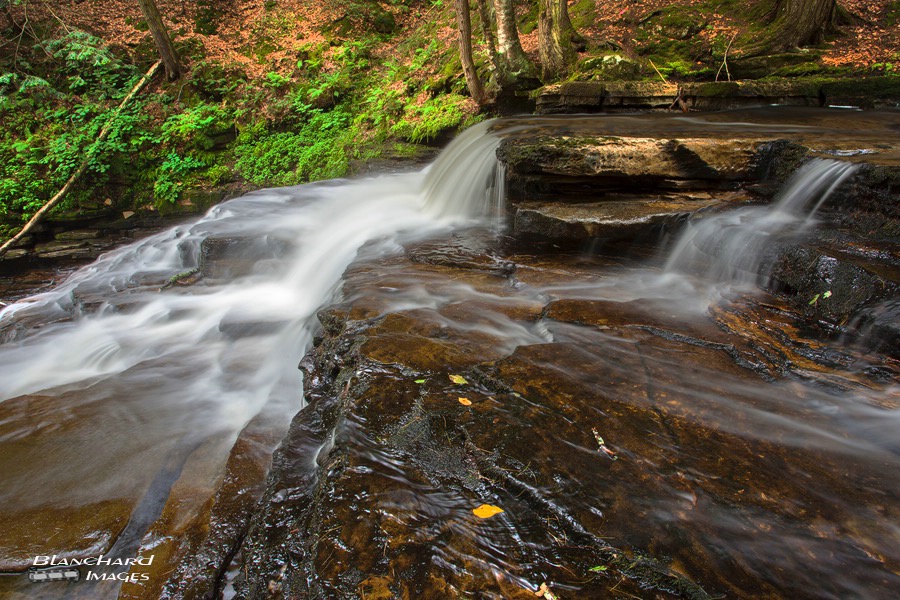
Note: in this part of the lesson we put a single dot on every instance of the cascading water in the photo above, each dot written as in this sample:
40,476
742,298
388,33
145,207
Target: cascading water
736,453
154,371
731,246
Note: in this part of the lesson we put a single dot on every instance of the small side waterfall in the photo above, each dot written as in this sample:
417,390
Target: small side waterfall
731,246
467,179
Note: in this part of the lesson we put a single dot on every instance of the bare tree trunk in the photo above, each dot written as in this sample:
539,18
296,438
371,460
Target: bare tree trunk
476,90
554,43
802,22
161,38
487,29
510,47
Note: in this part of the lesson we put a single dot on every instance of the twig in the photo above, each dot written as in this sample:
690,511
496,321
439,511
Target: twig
725,60
61,22
661,76
84,162
21,34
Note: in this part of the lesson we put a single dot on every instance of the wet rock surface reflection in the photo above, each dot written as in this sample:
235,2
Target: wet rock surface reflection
645,434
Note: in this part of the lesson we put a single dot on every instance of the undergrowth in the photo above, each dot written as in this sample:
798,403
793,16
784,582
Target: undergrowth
340,105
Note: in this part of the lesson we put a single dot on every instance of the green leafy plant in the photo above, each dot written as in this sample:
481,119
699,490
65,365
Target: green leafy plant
170,179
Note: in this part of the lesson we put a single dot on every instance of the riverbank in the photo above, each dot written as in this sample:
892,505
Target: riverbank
294,91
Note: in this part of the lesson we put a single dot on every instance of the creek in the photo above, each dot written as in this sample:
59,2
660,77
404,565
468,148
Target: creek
653,420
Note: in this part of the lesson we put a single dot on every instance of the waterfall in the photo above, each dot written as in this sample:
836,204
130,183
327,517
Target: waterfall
732,246
149,370
467,179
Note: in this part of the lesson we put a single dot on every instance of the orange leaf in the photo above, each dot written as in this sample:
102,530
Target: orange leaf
465,402
486,511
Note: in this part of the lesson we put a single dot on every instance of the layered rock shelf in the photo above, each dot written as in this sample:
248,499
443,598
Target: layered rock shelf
611,96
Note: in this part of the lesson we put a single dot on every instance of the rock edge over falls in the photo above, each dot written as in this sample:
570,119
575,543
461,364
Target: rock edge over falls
637,447
607,412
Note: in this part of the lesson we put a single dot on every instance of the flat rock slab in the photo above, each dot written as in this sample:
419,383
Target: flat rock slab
601,96
635,157
607,220
632,445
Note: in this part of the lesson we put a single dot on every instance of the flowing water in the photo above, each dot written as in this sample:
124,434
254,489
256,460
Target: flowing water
124,388
737,240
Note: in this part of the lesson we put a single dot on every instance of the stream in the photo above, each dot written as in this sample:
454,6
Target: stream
652,421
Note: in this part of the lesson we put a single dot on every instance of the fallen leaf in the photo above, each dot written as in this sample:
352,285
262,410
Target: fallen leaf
486,511
458,379
420,381
598,568
465,402
544,591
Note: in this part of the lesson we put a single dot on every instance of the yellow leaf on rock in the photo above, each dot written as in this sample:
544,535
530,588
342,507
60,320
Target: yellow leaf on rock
487,510
458,379
465,402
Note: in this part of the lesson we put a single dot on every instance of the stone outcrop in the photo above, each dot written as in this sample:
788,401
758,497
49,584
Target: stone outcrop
611,96
418,415
609,220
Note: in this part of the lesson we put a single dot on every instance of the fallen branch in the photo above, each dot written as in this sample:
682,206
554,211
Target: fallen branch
725,61
50,204
661,76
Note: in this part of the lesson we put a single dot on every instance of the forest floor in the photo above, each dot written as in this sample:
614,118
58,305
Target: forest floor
281,92
874,39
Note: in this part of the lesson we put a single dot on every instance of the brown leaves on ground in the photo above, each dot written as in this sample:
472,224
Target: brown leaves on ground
239,23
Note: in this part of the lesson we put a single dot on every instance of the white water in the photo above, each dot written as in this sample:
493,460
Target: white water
731,246
193,362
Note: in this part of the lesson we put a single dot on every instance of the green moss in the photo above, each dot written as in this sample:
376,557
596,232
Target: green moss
528,21
583,14
892,15
207,18
609,66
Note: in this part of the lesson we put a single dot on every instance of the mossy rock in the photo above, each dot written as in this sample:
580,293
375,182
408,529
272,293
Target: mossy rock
713,89
611,67
757,67
675,23
865,93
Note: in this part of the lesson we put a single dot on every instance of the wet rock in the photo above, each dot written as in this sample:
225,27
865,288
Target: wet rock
869,92
595,96
16,253
831,286
77,235
675,400
419,521
87,531
474,249
575,166
608,220
60,247
878,327
194,567
721,95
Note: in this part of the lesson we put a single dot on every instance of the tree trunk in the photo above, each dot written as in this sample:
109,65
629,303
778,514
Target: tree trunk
161,38
487,29
554,42
802,23
476,90
509,46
